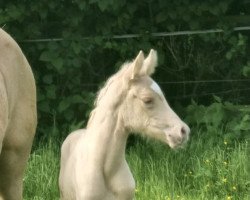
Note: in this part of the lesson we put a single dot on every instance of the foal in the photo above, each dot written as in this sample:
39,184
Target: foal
93,165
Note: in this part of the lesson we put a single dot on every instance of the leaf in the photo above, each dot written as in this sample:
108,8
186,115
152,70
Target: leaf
58,63
52,5
63,105
103,5
161,17
44,106
77,99
76,47
224,6
218,99
45,56
194,24
69,115
43,13
229,55
215,10
241,40
131,8
171,27
82,5
108,45
172,14
98,40
93,1
48,79
51,92
15,12
244,124
246,71
40,96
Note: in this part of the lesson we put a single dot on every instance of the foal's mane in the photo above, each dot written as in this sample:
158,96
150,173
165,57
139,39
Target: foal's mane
102,92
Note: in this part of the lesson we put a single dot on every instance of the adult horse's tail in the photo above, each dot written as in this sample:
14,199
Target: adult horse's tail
18,116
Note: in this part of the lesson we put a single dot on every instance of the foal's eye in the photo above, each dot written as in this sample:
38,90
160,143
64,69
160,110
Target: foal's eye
148,101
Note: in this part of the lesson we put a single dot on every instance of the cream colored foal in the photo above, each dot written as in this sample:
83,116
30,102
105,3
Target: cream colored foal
93,165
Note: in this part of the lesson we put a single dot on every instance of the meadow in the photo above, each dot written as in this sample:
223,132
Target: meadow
207,168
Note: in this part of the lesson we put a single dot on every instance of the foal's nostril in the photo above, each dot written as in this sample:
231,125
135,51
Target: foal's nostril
183,131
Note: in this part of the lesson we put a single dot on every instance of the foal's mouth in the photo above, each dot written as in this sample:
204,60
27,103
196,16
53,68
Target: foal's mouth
176,143
181,145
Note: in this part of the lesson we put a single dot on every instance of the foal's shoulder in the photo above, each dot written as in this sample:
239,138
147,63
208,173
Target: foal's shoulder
75,135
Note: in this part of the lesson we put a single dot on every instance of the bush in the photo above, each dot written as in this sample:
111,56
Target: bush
220,117
68,70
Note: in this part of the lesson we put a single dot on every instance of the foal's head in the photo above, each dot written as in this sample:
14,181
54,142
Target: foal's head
144,108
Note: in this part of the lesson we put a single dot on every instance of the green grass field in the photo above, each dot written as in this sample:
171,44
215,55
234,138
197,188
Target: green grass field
206,169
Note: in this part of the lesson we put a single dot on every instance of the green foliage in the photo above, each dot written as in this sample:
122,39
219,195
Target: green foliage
202,170
234,120
67,71
238,45
41,179
246,69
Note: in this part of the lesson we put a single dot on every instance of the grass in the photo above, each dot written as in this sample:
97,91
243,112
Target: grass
209,169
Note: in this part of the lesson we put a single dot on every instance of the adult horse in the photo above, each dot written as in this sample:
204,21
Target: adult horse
18,117
93,165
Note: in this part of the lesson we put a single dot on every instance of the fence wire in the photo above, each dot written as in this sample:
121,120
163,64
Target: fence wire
131,36
224,92
166,34
183,82
188,96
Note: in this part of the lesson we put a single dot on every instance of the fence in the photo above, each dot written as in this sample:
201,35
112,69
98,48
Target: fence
130,36
168,34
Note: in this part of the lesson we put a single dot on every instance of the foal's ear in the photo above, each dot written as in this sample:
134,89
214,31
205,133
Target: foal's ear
137,65
150,63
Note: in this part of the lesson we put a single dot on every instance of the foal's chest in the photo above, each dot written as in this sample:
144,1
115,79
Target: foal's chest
97,186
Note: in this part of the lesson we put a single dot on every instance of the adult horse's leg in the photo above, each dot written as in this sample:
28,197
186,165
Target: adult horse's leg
11,175
3,126
3,111
15,152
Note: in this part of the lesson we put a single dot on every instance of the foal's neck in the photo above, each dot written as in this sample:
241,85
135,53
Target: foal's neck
108,134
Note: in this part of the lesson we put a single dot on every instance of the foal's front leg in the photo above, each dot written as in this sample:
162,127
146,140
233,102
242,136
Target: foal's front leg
123,184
